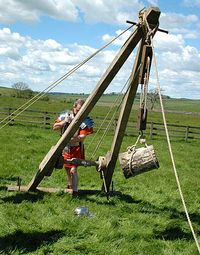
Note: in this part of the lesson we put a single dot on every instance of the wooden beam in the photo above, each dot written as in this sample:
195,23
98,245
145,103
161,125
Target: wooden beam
49,161
56,190
151,15
123,118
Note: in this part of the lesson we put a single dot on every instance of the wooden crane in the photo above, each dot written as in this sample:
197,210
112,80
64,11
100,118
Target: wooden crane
148,18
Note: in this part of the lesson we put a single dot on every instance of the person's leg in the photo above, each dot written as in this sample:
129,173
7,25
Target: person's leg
74,178
69,180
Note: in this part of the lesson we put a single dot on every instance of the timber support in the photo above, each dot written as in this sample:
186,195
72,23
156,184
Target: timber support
140,34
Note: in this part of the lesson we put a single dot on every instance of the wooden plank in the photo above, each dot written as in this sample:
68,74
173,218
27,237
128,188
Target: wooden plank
108,76
12,188
25,189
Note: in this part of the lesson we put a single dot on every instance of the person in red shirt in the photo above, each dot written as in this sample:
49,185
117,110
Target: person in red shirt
75,148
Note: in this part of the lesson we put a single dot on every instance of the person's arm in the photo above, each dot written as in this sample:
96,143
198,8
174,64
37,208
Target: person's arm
77,138
59,125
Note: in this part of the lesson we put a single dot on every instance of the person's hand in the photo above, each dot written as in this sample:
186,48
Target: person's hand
68,119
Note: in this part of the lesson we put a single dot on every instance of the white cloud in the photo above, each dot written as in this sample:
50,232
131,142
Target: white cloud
187,25
27,59
169,42
172,20
12,39
10,53
30,11
40,62
180,84
112,11
119,41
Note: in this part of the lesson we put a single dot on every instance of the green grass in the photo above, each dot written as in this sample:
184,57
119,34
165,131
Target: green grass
145,217
186,105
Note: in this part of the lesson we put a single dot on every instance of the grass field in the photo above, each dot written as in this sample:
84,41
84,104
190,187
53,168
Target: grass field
146,216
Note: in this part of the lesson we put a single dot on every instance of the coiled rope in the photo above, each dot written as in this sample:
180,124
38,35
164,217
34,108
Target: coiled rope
34,99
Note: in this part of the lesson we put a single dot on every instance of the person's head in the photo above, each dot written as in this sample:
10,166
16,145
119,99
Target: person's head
77,105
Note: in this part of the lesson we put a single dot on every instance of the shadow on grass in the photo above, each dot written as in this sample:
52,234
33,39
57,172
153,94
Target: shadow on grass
28,242
11,178
86,195
18,198
146,207
3,188
172,233
143,206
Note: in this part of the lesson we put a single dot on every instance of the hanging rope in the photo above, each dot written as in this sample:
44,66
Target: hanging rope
106,131
106,118
114,114
30,102
144,88
169,143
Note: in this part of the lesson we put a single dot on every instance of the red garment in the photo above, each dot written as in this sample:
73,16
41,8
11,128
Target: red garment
73,152
76,151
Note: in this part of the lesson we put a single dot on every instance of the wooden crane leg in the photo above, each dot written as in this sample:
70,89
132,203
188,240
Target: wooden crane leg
152,17
47,165
123,118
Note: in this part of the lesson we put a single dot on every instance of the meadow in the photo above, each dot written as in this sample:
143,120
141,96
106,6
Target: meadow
144,216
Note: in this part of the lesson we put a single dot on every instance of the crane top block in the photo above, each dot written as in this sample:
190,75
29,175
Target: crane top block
152,15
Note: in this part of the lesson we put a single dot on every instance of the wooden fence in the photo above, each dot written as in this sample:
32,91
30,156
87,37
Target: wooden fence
28,117
154,129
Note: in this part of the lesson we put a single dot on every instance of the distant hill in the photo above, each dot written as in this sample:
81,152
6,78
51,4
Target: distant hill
4,91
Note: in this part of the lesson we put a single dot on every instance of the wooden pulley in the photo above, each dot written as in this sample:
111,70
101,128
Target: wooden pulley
146,63
142,119
138,161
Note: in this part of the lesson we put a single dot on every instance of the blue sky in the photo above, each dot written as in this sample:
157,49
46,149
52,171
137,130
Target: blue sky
40,40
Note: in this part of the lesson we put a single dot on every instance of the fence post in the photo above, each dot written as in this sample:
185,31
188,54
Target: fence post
45,119
186,133
151,130
114,125
11,122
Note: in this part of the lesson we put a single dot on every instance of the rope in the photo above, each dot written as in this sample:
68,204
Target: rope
152,156
54,84
132,151
105,132
111,120
130,148
169,144
146,86
106,118
144,89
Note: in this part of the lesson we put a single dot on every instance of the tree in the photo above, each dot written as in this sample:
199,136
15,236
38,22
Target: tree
22,90
153,98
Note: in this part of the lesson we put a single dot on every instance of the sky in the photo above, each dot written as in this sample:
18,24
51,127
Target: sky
41,40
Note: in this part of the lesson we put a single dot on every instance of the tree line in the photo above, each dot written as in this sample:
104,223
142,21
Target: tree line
22,90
